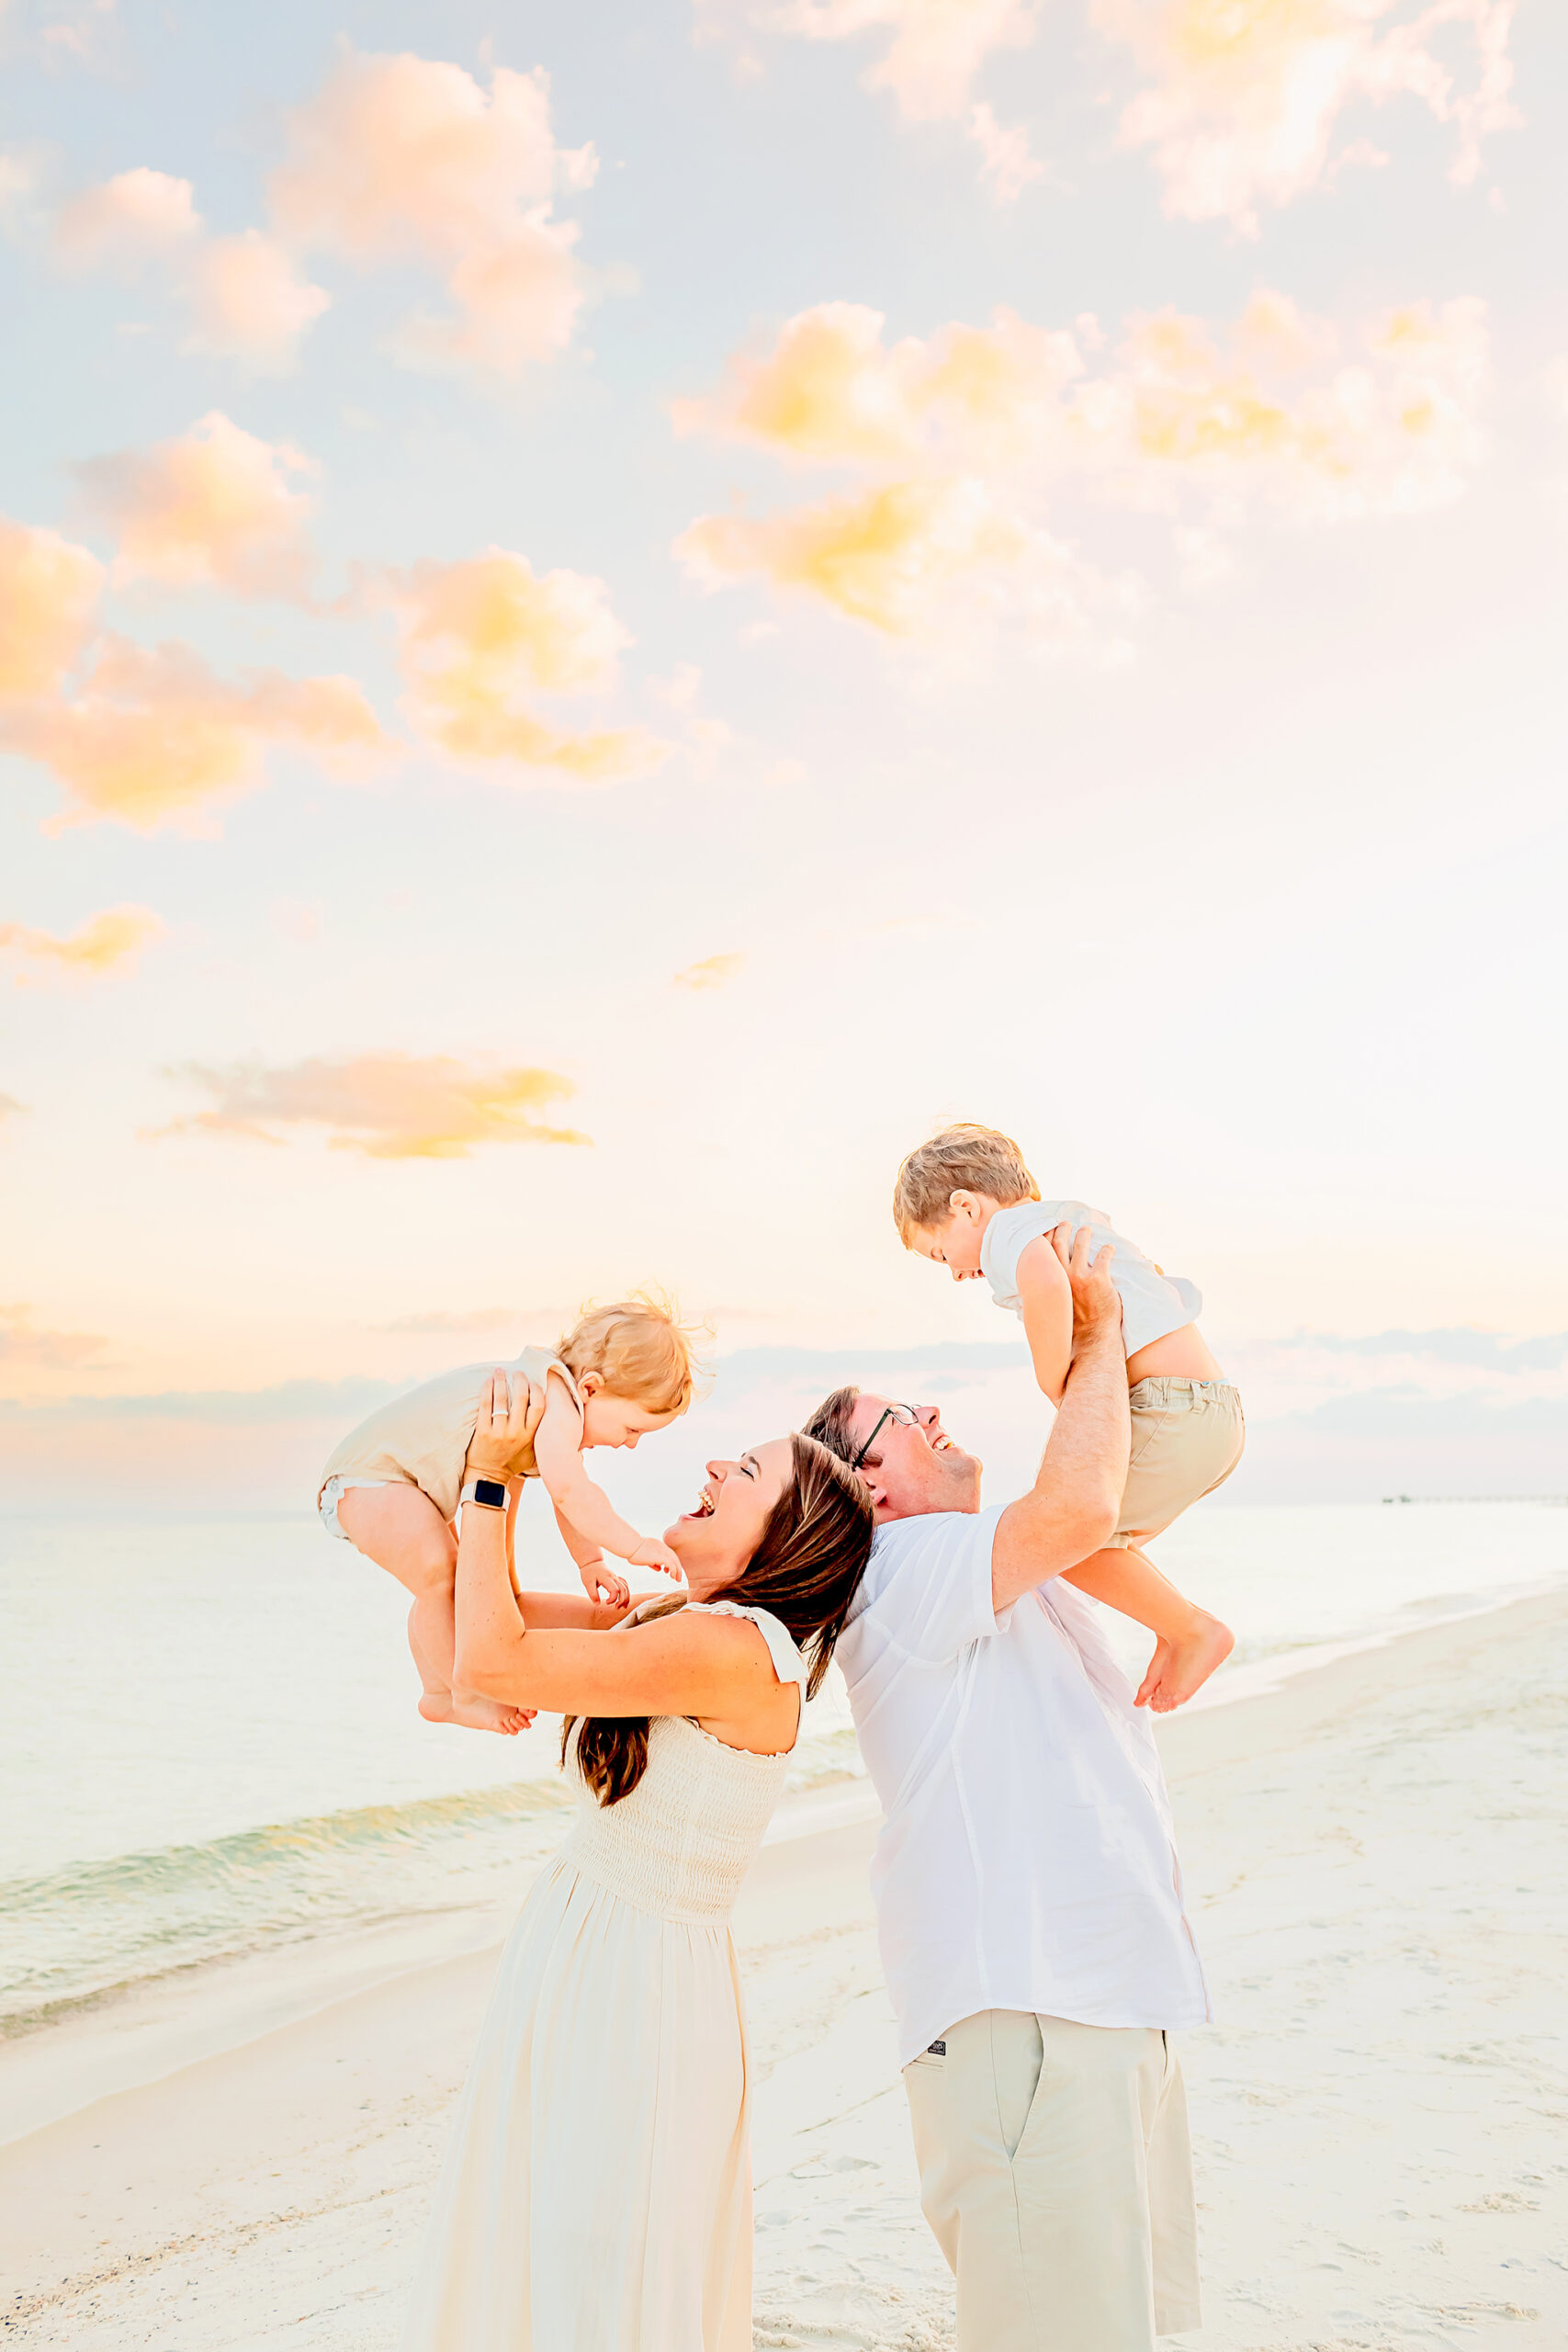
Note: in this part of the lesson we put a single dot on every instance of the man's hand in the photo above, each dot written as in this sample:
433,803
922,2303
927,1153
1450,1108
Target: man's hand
1097,1304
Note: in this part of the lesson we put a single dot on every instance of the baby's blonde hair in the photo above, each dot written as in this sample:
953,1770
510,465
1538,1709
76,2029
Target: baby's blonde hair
639,1347
960,1159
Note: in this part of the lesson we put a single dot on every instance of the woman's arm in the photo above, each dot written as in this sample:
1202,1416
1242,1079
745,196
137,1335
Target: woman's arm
1045,1296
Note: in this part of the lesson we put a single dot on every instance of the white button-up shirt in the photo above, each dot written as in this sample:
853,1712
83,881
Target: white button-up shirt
1027,1860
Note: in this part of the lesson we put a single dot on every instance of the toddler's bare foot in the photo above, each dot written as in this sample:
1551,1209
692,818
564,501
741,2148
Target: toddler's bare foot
1183,1664
474,1714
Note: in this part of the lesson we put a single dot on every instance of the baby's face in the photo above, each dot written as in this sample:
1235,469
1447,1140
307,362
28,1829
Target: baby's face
955,1243
609,1420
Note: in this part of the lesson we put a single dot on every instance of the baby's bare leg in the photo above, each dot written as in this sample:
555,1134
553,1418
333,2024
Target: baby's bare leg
399,1528
1189,1644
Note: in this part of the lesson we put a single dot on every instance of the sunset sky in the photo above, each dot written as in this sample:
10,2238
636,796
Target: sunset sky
608,611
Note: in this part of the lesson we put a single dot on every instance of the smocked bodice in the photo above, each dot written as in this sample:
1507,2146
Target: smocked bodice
681,1842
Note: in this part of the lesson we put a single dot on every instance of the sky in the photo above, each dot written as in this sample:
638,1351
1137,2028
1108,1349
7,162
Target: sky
607,614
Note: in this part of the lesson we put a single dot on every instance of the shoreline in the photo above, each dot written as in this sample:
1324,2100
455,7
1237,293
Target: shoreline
130,2036
1375,1894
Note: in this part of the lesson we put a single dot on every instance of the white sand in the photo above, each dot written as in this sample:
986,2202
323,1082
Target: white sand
1380,1871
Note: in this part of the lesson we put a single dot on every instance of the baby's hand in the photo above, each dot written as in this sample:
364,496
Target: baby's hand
601,1583
652,1554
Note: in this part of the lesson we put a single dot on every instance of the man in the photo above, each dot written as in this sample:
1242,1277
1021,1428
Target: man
1028,1893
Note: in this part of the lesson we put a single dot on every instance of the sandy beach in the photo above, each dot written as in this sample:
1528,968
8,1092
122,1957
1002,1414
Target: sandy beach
1376,1856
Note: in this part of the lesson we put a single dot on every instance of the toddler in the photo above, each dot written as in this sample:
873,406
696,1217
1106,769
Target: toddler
966,1200
394,1485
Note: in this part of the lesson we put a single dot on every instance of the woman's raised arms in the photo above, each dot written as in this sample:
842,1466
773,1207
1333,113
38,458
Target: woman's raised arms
717,1669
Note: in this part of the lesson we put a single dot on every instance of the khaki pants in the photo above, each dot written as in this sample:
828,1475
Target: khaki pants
1057,2179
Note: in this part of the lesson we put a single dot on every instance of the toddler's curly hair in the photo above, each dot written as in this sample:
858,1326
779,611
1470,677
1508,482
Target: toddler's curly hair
639,1347
960,1158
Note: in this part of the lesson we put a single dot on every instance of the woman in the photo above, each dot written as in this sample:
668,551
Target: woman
597,2193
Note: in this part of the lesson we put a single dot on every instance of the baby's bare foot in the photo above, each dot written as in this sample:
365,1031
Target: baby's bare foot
474,1714
1183,1664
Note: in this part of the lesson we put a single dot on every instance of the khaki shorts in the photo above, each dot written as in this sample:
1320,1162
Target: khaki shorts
1056,2176
1187,1439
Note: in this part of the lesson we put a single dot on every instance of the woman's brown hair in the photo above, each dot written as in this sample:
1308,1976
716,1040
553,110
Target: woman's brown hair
804,1571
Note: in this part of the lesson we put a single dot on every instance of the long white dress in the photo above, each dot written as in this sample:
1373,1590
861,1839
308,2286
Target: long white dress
596,2196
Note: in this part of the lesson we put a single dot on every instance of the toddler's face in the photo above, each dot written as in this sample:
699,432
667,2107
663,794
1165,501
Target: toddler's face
955,1243
615,1421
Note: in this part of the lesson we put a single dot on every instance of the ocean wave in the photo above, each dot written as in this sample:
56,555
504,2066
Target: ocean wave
99,1926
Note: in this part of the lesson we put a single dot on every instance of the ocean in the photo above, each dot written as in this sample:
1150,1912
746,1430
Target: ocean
209,1748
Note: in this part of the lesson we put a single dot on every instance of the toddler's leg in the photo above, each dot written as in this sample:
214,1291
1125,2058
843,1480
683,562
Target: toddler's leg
399,1528
1189,1644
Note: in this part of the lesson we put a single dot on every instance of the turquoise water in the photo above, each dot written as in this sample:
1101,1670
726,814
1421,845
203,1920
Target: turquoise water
210,1746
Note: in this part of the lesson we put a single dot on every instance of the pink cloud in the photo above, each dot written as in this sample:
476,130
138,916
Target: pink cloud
49,594
401,157
214,508
153,734
249,302
126,218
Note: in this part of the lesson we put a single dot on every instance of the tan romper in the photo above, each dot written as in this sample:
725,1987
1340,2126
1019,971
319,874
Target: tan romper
422,1439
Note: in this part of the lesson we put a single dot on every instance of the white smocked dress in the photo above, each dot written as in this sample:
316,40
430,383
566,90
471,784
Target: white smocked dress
596,2196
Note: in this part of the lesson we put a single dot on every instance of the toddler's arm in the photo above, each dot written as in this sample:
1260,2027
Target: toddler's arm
598,1581
558,1451
1045,1296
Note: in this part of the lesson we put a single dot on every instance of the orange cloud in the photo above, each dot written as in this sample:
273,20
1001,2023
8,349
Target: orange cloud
153,734
711,973
935,50
885,555
213,508
389,1106
480,639
104,941
49,593
967,433
1243,101
401,158
125,220
249,302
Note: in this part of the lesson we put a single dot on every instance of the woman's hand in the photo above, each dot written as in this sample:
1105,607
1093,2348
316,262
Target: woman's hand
510,1413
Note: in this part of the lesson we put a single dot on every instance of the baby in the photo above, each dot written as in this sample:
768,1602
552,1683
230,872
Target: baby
966,1200
394,1485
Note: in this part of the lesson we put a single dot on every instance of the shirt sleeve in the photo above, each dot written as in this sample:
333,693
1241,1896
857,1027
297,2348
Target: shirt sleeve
1008,1235
936,1597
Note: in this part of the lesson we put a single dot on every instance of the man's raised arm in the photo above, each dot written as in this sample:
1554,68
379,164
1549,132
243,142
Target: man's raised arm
1074,1505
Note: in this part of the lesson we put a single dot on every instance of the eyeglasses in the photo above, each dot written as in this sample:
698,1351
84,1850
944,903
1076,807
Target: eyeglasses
905,1415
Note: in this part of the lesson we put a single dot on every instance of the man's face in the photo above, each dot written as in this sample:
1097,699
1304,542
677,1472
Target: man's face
913,1466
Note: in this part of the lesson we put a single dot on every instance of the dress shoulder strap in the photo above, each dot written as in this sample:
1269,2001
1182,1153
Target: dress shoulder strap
788,1664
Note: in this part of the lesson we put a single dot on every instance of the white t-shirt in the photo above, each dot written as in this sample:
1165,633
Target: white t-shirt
1152,1303
1027,1860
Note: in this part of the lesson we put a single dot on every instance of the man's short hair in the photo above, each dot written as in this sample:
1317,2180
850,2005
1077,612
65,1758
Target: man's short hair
829,1424
963,1159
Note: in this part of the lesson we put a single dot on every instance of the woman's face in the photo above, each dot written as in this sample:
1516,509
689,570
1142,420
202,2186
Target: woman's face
715,1542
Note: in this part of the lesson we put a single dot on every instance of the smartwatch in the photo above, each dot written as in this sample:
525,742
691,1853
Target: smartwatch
489,1493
